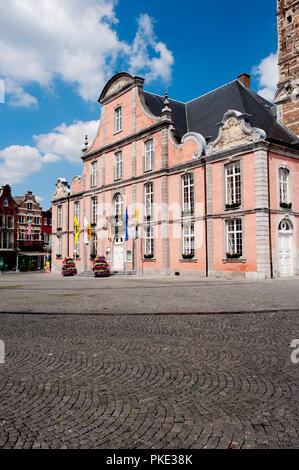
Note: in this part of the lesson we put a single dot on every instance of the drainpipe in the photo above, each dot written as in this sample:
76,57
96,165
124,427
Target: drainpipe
269,209
203,160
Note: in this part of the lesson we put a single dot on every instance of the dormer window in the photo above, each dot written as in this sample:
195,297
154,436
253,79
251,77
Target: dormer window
118,119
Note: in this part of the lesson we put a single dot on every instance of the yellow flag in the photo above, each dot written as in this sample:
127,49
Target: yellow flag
77,230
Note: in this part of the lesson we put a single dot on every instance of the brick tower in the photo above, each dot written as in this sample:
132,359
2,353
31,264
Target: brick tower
287,95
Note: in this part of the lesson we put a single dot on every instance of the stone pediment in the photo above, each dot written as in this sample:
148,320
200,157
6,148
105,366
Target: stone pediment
62,189
234,131
115,84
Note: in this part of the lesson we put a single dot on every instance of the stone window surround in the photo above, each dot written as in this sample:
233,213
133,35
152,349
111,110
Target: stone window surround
186,172
226,162
147,140
118,176
116,128
290,183
144,199
94,173
225,219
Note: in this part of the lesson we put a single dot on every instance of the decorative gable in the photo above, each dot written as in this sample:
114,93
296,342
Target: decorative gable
234,131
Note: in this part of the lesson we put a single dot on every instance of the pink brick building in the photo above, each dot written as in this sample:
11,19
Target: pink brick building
215,182
208,188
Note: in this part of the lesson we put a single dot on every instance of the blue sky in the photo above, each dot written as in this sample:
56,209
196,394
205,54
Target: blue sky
56,56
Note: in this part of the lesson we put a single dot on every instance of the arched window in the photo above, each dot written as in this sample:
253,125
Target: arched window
284,186
118,205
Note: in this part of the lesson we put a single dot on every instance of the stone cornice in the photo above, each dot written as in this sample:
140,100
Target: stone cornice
127,139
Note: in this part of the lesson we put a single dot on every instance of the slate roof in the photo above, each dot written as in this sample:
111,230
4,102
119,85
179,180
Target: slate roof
204,113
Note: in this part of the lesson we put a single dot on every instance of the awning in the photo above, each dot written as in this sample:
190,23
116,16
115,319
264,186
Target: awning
31,253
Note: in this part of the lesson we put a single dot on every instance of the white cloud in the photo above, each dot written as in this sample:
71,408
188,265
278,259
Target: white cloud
17,162
39,199
267,72
144,42
75,41
65,141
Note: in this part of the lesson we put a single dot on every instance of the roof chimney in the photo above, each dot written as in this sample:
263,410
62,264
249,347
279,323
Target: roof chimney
245,79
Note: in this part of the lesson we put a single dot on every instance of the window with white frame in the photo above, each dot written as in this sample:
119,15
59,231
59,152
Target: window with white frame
93,245
37,220
118,205
149,155
77,211
58,246
22,235
149,241
45,221
94,174
21,218
94,210
45,237
188,239
233,183
118,165
29,206
284,176
188,193
6,202
118,119
59,217
234,233
148,199
36,235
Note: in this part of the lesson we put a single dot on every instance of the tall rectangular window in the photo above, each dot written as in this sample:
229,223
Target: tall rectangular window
94,174
149,241
94,210
10,221
188,193
234,244
58,246
118,165
284,185
233,183
149,155
148,199
77,211
59,217
93,245
118,119
188,239
2,221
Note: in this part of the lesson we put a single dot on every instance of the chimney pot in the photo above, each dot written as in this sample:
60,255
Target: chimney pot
245,79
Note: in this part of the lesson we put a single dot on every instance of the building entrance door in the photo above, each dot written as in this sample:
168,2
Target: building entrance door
118,254
285,248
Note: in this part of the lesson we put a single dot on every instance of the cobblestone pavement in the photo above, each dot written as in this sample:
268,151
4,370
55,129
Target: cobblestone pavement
148,381
43,293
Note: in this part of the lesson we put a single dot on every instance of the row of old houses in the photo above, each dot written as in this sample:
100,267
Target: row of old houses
25,232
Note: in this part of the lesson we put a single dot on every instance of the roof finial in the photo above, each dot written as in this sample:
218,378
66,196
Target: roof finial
85,144
166,112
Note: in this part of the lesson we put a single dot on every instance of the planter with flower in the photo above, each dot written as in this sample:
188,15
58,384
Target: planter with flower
286,205
148,256
101,267
68,267
188,255
233,255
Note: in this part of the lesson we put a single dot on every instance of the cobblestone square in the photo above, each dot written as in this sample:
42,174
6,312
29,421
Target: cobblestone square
148,381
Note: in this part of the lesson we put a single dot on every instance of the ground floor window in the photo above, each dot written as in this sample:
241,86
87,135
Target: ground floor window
93,245
188,239
58,246
149,242
234,237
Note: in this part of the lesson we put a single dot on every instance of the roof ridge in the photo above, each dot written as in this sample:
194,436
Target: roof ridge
156,94
212,91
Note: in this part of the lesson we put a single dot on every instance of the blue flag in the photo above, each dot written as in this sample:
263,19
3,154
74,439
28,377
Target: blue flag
127,236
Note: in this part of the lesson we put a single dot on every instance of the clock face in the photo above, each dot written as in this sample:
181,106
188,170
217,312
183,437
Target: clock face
296,45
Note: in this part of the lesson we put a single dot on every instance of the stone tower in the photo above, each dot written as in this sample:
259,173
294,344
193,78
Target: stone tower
287,95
